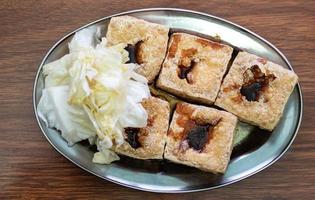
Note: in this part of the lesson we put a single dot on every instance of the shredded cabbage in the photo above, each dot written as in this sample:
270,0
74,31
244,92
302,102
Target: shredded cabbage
99,83
57,72
71,120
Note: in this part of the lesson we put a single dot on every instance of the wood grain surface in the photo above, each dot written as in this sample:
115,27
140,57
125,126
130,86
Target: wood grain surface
31,169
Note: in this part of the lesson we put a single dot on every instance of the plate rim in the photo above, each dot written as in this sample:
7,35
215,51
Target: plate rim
298,86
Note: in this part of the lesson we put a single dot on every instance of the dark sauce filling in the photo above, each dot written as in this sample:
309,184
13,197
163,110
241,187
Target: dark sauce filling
134,53
198,136
184,71
251,91
132,137
256,82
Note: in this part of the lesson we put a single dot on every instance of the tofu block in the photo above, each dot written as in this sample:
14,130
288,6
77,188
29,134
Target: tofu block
148,142
201,137
149,41
256,90
194,68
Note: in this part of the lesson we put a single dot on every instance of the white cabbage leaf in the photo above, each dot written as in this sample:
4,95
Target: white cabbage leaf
56,72
105,157
99,84
84,39
72,121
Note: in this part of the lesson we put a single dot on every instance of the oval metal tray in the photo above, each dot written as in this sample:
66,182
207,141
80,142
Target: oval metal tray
162,176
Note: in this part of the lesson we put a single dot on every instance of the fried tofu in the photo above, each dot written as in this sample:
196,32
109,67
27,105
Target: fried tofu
150,41
256,90
148,142
194,68
200,137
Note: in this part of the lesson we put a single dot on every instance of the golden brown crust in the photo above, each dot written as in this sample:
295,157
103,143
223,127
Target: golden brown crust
152,138
215,156
267,111
154,37
208,61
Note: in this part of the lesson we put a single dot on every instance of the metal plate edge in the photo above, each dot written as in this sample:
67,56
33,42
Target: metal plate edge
180,10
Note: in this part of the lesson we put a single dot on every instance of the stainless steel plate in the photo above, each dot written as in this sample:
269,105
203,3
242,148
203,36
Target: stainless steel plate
161,176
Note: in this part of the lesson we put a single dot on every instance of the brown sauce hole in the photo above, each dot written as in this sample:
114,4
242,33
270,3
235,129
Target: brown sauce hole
199,135
184,72
256,84
186,64
191,128
132,137
135,52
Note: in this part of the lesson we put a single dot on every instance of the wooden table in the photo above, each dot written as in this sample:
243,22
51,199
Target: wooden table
31,169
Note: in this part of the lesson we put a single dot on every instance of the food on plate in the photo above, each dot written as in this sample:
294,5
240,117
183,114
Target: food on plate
91,93
99,92
194,67
201,137
148,41
256,90
147,142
